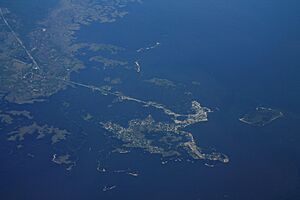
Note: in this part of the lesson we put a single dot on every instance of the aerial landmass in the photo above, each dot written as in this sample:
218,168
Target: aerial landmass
261,116
39,64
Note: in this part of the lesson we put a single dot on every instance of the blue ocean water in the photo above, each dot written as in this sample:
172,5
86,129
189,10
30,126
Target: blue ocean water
244,54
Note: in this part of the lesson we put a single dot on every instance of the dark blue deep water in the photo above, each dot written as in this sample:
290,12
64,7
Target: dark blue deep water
244,54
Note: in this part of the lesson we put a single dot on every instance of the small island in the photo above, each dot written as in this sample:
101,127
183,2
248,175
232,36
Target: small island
261,116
